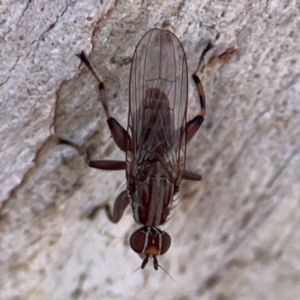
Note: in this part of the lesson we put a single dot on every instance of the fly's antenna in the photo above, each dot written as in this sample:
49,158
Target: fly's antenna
167,272
158,265
136,270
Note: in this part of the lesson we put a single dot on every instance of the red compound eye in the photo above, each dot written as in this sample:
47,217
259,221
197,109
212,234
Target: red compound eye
150,241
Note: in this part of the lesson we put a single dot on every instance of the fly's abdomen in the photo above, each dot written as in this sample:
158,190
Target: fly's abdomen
156,123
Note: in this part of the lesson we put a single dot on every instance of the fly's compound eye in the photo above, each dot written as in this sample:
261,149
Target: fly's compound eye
150,241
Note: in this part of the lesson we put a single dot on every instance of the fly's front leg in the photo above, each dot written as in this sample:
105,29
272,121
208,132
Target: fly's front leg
115,215
119,134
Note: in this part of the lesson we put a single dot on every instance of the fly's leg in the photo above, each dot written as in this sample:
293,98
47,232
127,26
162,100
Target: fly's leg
122,200
193,125
110,165
187,175
123,141
115,215
119,134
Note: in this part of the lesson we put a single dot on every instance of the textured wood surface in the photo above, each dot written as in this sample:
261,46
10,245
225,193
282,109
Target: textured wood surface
235,235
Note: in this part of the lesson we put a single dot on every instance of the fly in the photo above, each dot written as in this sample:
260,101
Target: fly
155,139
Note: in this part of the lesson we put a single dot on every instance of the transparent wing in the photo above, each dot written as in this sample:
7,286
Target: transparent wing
158,102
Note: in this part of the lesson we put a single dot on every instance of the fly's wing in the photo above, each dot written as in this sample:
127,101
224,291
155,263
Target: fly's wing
158,102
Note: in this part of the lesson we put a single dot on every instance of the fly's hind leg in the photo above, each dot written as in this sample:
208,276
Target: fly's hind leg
119,134
115,215
123,141
193,125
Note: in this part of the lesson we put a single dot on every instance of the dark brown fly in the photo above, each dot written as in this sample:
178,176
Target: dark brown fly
155,140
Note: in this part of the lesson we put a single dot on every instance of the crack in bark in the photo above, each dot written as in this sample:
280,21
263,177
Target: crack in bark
252,228
17,60
24,178
5,81
285,164
50,27
23,12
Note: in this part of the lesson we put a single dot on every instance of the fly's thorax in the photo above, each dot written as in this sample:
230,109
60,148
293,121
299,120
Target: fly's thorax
150,242
151,194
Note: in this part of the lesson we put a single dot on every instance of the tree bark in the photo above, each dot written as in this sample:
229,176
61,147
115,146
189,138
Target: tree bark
234,235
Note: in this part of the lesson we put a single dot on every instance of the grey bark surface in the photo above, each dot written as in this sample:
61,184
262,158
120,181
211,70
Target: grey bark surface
235,235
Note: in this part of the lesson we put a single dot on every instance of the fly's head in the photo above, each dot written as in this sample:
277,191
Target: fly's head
150,242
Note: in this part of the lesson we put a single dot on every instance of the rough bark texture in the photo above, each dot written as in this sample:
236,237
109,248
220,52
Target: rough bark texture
235,235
